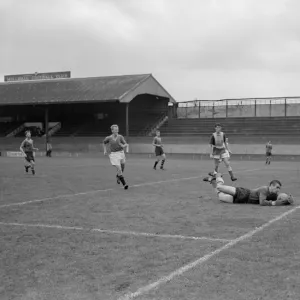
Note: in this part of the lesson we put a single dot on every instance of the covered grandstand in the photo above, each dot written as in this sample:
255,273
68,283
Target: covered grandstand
83,106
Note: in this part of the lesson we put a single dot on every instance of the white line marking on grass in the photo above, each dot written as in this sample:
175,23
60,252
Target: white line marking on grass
107,190
53,198
135,233
92,192
143,290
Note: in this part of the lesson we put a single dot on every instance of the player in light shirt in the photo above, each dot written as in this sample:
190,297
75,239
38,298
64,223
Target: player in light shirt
114,146
159,151
220,151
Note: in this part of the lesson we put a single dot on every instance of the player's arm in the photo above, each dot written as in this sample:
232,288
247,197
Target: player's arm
21,147
123,143
105,142
228,149
263,200
289,200
154,143
34,149
225,143
212,143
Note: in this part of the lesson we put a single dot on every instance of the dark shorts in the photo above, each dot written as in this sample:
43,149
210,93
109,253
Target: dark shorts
268,153
29,156
241,195
159,151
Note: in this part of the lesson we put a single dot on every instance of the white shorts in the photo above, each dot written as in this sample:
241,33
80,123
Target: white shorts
117,158
222,156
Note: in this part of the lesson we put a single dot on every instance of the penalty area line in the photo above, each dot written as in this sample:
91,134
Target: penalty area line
120,232
152,286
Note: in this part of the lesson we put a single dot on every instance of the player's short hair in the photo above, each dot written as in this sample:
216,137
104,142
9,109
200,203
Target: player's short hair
157,130
27,131
218,125
275,181
114,125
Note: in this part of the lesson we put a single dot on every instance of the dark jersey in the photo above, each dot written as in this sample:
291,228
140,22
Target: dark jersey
157,141
27,145
261,196
114,143
269,148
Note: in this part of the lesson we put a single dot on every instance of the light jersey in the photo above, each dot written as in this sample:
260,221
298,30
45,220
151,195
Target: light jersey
218,140
157,141
260,195
27,145
269,147
114,143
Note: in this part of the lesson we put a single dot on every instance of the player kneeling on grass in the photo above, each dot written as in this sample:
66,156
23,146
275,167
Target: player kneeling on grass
159,151
264,195
27,150
114,146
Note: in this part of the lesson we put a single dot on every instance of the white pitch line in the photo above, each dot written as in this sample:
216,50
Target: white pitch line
93,192
120,232
143,290
110,189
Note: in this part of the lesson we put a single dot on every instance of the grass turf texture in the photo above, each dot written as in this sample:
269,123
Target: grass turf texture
53,263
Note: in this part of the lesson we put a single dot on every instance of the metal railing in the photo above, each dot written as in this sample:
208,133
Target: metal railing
246,107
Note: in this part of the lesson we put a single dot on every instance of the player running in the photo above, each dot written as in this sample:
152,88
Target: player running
269,148
114,146
159,151
264,195
220,151
27,150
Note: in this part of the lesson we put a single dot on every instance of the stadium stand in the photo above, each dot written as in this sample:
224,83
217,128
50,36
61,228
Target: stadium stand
35,131
7,127
234,126
88,106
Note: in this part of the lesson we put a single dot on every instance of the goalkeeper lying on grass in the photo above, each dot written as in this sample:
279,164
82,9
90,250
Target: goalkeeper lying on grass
264,195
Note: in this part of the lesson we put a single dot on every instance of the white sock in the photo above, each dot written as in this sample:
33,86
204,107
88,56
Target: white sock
219,180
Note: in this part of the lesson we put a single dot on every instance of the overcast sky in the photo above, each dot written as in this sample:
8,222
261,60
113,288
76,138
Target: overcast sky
204,49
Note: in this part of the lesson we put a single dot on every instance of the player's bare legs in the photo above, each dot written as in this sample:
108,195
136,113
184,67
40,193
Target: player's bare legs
227,164
268,160
120,177
32,164
225,193
158,158
217,163
122,167
163,156
27,165
216,170
120,171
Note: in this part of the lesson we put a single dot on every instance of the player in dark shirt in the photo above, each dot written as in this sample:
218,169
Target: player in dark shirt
269,148
159,151
27,149
264,195
220,151
114,146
